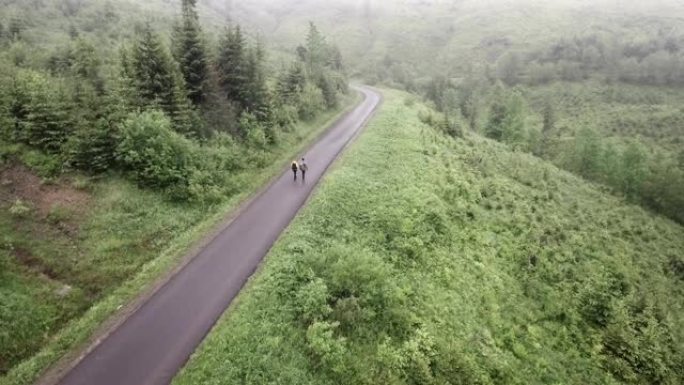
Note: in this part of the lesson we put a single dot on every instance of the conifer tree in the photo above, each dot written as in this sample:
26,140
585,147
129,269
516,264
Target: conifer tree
232,66
191,54
152,70
257,94
157,81
292,81
316,49
41,112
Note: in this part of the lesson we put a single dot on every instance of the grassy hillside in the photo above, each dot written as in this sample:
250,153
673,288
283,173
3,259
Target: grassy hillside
428,260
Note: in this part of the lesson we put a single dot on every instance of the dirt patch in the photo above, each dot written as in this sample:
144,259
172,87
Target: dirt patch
34,264
18,182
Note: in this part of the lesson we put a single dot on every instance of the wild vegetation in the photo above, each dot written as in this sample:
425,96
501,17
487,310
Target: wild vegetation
116,149
425,259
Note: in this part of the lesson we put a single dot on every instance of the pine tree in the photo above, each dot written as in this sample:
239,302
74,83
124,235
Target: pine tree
85,64
191,54
157,81
152,70
291,82
256,97
41,112
316,49
328,89
335,60
232,67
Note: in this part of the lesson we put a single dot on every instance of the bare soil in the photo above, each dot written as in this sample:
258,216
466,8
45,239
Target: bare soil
18,182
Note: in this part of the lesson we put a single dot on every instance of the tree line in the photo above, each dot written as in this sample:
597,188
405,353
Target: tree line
177,117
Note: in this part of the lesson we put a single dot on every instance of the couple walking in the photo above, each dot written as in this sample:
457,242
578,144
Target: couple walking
301,166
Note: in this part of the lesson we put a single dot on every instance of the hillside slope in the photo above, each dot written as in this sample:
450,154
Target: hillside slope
424,259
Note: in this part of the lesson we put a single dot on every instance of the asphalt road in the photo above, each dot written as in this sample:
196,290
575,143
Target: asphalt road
155,342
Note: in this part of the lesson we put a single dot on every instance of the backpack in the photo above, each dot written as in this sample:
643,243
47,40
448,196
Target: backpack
294,165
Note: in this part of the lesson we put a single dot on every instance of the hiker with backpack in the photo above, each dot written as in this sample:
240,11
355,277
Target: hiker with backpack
303,167
295,167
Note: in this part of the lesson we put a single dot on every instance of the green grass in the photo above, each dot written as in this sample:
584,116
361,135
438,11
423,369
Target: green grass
427,260
129,238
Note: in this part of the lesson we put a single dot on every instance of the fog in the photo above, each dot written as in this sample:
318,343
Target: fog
370,30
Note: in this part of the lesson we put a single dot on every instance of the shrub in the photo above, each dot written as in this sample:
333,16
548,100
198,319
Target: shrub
81,182
44,164
253,131
20,209
427,117
59,214
328,89
285,116
310,102
312,301
155,154
326,348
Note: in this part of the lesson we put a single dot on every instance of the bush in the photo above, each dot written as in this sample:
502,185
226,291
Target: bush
59,214
19,209
43,164
312,301
253,131
285,116
326,348
310,102
427,117
155,154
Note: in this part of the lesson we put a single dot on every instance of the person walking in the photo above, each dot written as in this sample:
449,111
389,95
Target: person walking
295,167
304,168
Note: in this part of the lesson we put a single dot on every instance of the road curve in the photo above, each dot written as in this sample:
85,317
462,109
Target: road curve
155,342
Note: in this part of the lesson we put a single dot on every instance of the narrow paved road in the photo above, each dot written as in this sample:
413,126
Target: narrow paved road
156,341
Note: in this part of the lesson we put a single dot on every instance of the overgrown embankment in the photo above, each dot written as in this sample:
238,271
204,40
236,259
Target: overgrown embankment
428,260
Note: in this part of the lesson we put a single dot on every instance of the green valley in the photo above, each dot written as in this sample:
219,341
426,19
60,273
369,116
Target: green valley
512,213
